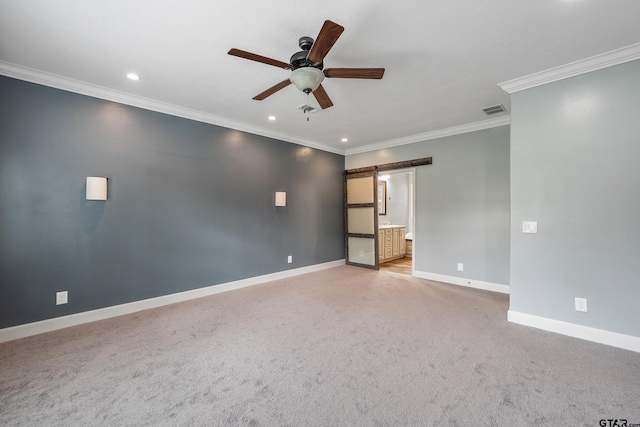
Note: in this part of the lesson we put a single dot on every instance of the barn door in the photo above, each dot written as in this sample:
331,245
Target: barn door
361,218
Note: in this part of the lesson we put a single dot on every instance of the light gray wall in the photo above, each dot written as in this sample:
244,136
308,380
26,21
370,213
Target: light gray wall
190,204
462,202
575,146
397,200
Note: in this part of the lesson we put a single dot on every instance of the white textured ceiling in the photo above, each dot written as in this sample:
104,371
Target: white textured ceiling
443,58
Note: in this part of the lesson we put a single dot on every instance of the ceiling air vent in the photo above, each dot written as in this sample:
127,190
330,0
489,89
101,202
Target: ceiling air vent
494,109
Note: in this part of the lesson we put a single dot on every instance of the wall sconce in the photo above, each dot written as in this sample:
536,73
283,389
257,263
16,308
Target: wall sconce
96,188
281,198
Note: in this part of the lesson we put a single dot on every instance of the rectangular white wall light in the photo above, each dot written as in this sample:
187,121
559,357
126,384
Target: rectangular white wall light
96,188
281,198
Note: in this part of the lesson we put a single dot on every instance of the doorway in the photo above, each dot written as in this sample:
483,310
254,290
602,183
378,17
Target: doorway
366,244
396,219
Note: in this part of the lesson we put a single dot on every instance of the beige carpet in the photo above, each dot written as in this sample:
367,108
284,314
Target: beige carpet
341,347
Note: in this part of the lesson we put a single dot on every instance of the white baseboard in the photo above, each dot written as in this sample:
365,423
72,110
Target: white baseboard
29,329
614,339
461,281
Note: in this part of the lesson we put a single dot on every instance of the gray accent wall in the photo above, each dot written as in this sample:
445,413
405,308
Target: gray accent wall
462,202
575,146
190,204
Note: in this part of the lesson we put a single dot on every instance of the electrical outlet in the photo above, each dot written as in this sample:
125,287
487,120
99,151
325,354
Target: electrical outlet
290,259
62,297
581,304
460,266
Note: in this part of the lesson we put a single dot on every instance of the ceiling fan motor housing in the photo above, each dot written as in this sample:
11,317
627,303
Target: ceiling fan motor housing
299,59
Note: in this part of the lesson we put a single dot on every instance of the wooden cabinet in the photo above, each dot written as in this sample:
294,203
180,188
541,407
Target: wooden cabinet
399,242
391,243
395,243
388,244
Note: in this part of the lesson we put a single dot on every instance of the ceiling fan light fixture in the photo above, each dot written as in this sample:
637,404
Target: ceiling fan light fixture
307,79
307,67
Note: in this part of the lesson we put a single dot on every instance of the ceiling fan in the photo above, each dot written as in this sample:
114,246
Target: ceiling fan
308,68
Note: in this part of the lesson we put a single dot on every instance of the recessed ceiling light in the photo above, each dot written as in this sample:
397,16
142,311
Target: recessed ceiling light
133,76
272,118
344,140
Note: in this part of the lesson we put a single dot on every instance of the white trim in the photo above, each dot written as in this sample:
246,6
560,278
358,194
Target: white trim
411,139
64,83
49,325
461,281
627,342
597,62
95,91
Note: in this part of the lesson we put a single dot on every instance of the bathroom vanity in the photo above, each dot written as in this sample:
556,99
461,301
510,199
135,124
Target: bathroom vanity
391,242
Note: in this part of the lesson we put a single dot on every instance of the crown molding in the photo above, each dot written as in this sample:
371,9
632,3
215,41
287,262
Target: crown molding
456,130
593,63
76,86
95,91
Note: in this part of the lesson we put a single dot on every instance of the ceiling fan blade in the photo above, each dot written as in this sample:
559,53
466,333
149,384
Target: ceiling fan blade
259,58
327,37
354,73
322,97
272,90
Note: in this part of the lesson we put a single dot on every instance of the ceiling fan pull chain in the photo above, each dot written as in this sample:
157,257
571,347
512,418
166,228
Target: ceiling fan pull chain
306,103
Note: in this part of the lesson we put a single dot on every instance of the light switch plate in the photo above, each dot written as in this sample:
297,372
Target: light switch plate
530,227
